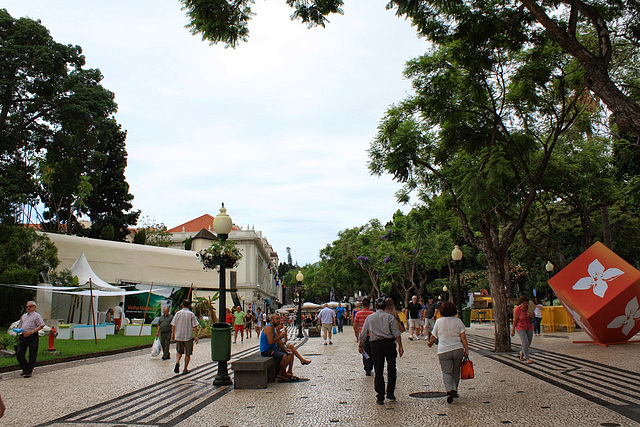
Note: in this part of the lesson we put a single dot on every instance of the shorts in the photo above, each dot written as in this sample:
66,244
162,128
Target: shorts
429,324
327,326
276,353
117,322
238,328
414,323
184,347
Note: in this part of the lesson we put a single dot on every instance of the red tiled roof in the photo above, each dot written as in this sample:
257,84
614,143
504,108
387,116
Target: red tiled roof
205,221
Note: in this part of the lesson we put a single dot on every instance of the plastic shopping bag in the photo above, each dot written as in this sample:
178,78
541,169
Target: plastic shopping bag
156,348
334,330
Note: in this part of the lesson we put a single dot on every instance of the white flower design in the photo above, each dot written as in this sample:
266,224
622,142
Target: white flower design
598,278
628,320
578,320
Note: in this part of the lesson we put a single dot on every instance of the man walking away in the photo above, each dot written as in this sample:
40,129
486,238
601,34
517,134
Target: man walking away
412,313
358,321
340,316
383,332
328,319
429,316
164,330
30,323
185,325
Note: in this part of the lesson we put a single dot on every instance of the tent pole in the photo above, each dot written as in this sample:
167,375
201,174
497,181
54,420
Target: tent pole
190,290
144,313
93,314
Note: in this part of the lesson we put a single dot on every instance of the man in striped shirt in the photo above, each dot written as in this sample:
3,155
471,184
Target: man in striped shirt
358,321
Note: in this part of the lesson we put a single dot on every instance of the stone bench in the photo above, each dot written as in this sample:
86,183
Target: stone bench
254,371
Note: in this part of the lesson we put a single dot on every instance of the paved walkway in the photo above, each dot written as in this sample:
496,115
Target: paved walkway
568,385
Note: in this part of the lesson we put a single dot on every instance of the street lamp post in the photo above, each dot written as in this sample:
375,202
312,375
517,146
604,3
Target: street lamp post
456,254
445,290
222,224
549,267
300,278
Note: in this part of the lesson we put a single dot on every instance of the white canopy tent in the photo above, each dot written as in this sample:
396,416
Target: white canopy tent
84,272
55,302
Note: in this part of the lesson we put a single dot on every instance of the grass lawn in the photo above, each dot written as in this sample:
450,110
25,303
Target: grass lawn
67,348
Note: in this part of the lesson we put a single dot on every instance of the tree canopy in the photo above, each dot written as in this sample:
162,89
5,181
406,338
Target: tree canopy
60,145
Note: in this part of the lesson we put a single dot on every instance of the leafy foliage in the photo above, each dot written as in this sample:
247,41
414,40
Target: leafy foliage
23,256
60,147
220,252
152,233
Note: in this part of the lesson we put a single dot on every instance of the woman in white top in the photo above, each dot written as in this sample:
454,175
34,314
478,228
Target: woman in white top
452,346
537,313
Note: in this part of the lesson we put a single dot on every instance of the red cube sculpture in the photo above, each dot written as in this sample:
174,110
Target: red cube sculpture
601,291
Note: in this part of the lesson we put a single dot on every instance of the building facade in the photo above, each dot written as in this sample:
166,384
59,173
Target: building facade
254,279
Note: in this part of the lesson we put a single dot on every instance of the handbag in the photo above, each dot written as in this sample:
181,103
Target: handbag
466,369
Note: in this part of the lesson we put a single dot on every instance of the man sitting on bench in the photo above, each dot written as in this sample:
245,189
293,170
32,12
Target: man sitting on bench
289,348
269,340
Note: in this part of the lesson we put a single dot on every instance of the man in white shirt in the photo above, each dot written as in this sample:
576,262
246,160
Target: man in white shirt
117,316
31,322
328,319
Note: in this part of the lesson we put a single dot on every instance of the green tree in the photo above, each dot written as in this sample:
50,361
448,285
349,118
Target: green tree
481,129
601,35
56,132
152,233
109,204
24,255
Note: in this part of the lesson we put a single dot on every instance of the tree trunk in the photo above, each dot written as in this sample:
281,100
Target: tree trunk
507,278
495,264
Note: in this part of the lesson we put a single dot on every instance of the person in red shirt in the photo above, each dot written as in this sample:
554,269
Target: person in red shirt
358,321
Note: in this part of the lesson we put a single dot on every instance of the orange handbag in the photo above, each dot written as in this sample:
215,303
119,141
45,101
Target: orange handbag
466,369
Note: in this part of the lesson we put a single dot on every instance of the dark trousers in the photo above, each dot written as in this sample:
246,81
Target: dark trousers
165,341
368,363
31,343
382,350
537,321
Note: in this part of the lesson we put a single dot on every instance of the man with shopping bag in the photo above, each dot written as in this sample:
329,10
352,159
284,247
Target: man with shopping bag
164,331
328,320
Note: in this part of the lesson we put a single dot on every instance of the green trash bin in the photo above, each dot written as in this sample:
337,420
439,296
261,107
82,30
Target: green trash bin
466,316
221,342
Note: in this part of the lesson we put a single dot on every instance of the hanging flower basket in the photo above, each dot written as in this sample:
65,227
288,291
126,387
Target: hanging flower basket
220,253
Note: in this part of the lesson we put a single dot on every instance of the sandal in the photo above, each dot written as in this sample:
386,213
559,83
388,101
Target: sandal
528,362
294,378
306,362
521,357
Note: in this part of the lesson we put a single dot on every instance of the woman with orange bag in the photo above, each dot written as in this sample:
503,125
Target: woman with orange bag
452,347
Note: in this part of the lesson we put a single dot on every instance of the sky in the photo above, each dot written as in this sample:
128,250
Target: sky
277,128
